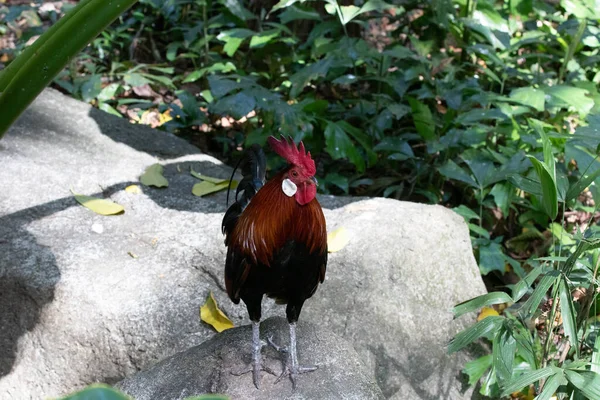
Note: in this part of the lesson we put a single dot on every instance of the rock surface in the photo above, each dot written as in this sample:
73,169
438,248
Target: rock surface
207,368
88,298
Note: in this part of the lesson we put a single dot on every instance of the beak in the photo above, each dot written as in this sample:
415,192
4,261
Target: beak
314,180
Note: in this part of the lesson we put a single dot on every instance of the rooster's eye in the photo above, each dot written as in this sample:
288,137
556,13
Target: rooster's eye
295,174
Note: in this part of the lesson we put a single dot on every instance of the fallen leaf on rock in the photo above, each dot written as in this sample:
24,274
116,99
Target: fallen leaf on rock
133,189
487,312
205,187
153,176
212,315
207,178
132,255
99,206
337,240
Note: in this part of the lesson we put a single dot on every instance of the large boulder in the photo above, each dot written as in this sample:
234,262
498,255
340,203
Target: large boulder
86,298
213,367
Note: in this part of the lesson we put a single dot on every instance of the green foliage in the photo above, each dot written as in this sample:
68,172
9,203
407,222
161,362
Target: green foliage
490,108
105,392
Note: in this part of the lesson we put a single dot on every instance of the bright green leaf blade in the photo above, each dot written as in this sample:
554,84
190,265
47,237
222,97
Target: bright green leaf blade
503,352
551,386
97,392
565,96
153,176
339,145
595,363
422,118
99,206
583,182
586,381
481,301
522,381
529,96
538,294
549,190
520,289
453,171
479,230
569,316
466,212
482,328
476,368
57,48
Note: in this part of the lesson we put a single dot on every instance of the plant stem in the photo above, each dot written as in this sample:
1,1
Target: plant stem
571,49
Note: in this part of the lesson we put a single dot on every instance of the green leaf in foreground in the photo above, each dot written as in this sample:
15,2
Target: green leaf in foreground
99,206
586,381
422,118
482,328
97,392
549,190
153,176
567,310
476,368
481,301
518,383
207,178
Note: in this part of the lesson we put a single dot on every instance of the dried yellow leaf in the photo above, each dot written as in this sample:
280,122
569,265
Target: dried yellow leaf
133,189
153,176
212,315
487,312
99,206
205,187
337,239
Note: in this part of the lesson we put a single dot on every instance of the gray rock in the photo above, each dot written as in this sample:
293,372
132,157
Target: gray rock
208,368
78,308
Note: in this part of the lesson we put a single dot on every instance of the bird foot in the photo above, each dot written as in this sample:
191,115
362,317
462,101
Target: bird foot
255,368
293,370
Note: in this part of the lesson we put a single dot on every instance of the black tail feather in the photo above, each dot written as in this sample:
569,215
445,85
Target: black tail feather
253,165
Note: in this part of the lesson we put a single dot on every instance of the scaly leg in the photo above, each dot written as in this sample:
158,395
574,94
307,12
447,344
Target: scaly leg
257,364
292,368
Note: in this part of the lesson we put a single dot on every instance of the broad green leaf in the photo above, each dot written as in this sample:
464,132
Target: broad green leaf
339,145
519,382
91,88
301,78
584,181
153,176
479,230
503,352
581,8
205,187
482,328
97,392
337,239
99,206
521,288
551,386
532,303
362,138
263,38
294,13
595,363
586,381
503,194
481,301
491,258
476,368
527,184
529,96
549,190
561,234
453,171
212,315
569,97
569,316
466,212
423,119
237,105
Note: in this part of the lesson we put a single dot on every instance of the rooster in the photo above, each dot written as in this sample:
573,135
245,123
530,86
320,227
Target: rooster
276,244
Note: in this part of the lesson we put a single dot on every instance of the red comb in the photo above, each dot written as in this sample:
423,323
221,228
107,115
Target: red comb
294,155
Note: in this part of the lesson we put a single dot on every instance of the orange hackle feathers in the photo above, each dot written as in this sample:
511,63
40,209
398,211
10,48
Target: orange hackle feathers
294,155
272,218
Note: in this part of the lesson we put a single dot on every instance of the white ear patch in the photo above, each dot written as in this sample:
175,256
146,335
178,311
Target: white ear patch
289,187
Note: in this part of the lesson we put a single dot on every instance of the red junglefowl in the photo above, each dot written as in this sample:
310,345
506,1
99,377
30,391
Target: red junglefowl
276,243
